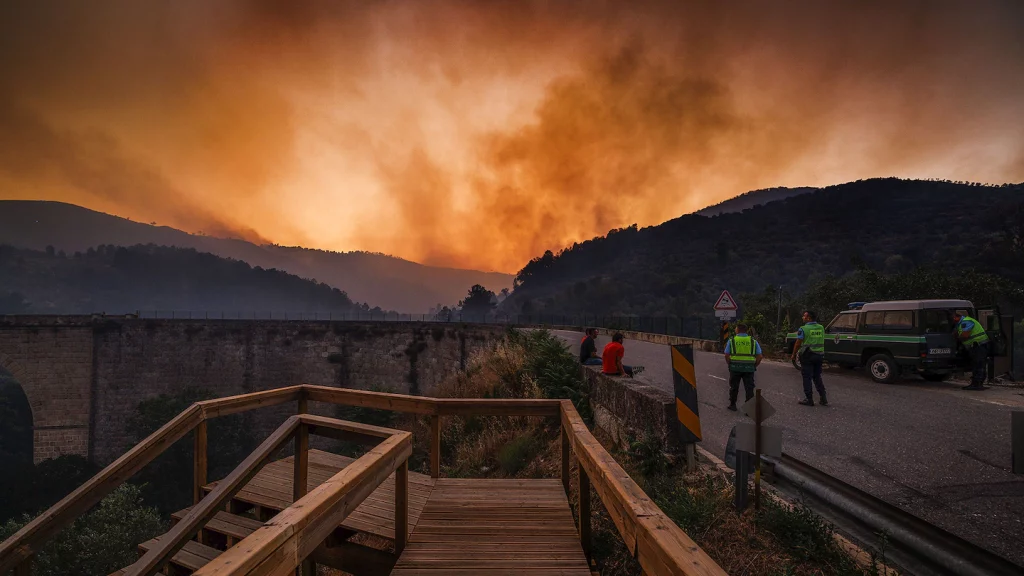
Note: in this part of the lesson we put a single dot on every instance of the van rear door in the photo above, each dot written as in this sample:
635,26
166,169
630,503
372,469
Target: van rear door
937,327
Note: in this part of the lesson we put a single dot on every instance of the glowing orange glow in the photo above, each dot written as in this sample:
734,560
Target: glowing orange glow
479,134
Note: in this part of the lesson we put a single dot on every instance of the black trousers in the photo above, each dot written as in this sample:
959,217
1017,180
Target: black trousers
810,364
734,385
979,363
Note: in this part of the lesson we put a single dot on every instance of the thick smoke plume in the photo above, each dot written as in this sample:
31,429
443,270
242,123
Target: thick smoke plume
479,134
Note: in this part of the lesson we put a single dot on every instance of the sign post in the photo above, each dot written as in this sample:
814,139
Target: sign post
725,310
757,438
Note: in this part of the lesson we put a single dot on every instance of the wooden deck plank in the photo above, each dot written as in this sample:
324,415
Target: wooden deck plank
497,527
271,489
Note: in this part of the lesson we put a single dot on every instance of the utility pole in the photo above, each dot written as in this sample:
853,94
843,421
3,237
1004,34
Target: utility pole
778,317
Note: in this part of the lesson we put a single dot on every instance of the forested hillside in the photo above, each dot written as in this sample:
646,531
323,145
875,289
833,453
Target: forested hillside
678,268
381,280
118,280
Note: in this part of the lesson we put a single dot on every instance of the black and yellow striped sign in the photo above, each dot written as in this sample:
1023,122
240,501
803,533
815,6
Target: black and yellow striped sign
685,380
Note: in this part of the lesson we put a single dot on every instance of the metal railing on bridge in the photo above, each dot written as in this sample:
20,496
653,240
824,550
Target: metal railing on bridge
689,327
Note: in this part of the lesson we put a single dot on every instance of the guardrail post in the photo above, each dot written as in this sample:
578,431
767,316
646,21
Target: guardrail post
401,506
435,446
199,465
565,461
584,499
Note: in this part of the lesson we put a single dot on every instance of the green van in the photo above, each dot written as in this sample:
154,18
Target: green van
903,337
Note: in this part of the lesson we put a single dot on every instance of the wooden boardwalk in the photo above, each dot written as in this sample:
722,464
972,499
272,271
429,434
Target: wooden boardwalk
271,490
497,527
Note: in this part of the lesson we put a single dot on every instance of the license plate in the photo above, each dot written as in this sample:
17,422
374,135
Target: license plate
938,351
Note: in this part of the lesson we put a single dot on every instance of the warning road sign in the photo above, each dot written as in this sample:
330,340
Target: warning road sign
726,302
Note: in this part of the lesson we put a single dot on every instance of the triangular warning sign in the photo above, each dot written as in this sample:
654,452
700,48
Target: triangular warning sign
725,302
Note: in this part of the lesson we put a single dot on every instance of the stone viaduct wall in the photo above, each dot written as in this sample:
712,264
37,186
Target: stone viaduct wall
85,376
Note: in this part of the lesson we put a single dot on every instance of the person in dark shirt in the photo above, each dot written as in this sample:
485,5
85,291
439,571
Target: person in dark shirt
588,349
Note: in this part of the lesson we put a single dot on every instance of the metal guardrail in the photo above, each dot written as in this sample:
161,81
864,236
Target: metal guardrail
922,548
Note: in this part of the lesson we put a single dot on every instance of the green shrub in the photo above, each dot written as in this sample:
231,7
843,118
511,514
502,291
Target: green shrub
647,455
517,453
806,536
100,542
167,480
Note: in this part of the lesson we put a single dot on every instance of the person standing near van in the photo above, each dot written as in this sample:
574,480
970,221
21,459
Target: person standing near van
974,338
742,355
810,345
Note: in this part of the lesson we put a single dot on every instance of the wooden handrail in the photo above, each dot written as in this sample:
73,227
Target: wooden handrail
202,512
292,535
366,399
27,541
244,402
496,407
652,538
659,545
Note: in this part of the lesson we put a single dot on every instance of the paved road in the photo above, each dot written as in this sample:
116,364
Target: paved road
932,449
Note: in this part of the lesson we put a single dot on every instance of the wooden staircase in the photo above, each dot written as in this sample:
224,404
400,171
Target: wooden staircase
270,491
278,517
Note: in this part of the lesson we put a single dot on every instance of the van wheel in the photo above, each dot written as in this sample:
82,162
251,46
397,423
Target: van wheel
883,368
936,377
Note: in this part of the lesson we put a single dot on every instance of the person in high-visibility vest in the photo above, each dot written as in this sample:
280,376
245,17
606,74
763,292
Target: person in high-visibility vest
742,355
810,346
972,335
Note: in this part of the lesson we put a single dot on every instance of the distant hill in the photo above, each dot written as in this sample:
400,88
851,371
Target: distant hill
118,280
678,268
752,199
385,281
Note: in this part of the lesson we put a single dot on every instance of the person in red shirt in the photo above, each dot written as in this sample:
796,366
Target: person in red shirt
611,358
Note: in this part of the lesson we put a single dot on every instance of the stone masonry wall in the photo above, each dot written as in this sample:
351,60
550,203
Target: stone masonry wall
53,364
79,369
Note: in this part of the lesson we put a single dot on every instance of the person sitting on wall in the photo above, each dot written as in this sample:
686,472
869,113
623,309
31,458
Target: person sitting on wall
611,358
588,349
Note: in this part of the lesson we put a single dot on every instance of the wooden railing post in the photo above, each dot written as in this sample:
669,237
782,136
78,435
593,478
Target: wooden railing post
303,407
25,568
301,477
401,506
199,465
435,446
584,498
565,460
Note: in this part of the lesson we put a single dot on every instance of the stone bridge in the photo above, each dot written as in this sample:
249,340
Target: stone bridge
84,376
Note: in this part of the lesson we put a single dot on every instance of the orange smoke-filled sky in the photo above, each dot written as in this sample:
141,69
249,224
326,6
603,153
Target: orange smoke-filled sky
477,134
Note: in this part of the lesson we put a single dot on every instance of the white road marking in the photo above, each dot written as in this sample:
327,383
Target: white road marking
717,377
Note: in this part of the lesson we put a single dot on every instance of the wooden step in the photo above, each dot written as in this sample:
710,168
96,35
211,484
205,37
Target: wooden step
226,524
192,555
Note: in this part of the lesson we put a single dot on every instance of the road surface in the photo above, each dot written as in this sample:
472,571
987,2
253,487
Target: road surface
936,451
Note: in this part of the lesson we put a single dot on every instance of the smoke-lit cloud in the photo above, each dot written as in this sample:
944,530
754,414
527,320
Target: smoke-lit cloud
479,134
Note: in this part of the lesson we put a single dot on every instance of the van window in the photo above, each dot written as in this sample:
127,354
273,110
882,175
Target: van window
936,321
844,323
899,319
890,319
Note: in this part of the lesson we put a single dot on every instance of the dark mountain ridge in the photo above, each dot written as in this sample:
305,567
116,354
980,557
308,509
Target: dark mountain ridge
385,281
679,267
119,279
753,199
